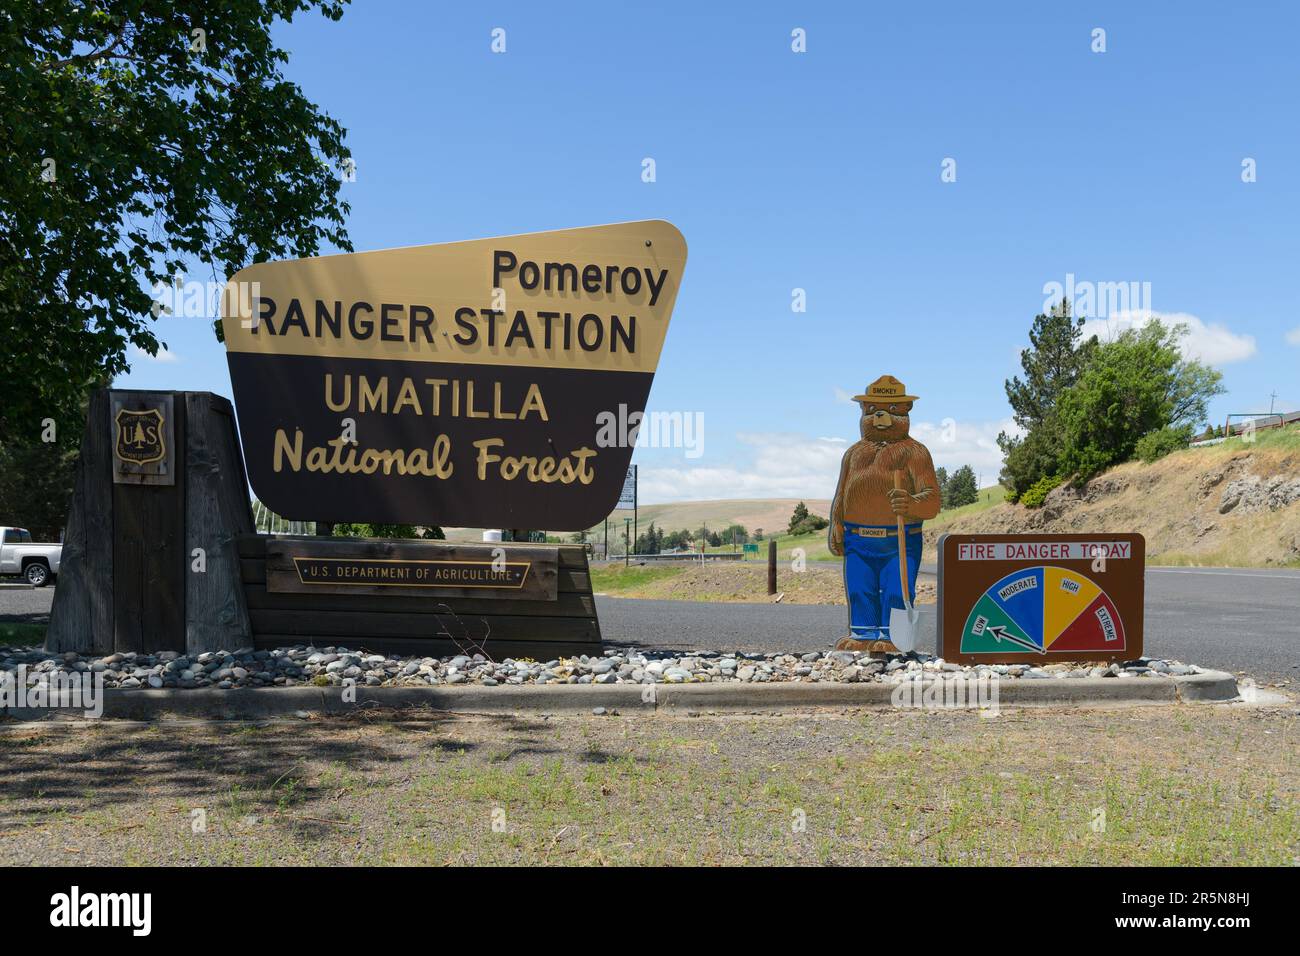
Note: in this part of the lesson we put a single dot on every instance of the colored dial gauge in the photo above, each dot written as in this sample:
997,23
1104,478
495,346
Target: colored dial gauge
1040,609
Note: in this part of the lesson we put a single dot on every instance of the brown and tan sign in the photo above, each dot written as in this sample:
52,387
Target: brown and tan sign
485,383
1035,598
424,568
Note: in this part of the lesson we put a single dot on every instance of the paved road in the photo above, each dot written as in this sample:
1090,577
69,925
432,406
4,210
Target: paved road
19,603
1235,619
1232,619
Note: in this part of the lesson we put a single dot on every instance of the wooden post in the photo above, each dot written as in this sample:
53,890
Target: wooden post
149,547
151,565
82,619
216,512
771,565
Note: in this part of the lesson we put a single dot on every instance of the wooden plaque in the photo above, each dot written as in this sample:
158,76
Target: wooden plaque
425,568
1039,598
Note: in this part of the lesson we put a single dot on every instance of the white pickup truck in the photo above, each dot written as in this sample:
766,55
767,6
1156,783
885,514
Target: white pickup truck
37,563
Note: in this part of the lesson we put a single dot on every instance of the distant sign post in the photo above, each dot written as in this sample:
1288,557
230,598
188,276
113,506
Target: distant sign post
1038,598
628,499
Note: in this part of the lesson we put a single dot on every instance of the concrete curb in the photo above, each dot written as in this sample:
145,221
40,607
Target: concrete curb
1210,686
264,703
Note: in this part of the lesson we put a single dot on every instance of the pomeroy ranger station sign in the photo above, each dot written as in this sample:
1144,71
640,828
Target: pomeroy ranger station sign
461,383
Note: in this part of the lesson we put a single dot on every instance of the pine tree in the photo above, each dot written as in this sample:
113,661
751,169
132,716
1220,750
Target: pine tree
800,515
1053,362
1057,356
961,488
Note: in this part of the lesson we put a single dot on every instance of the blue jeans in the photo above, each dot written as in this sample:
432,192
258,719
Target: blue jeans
871,579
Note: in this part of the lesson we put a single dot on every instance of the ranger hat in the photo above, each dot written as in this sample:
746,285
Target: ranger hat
886,389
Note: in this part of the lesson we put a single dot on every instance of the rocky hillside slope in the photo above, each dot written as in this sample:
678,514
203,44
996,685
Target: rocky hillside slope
1234,504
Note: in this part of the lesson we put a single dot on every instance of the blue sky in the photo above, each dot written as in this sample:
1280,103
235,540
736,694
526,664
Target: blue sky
822,171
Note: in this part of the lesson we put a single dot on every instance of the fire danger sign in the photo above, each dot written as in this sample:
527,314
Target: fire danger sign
1039,598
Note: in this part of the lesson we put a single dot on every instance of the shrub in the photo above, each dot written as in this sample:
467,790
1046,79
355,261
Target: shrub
1154,445
1036,493
809,524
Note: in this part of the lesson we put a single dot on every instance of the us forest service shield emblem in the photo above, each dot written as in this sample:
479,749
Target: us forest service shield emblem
140,436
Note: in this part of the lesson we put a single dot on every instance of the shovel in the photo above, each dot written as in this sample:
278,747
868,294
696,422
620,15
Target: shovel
903,621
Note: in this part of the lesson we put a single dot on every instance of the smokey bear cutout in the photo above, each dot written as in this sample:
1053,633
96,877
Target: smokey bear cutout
867,508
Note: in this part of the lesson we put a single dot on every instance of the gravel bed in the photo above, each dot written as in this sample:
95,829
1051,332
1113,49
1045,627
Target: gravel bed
331,666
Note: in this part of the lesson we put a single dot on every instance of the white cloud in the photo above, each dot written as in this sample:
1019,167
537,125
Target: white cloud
1211,343
953,444
1293,337
781,465
785,465
140,355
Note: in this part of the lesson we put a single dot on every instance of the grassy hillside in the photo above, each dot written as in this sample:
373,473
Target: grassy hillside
988,498
1236,504
770,514
766,513
816,549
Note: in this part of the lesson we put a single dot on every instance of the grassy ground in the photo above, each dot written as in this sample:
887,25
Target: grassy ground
817,583
747,579
1184,785
25,634
989,497
617,577
1283,439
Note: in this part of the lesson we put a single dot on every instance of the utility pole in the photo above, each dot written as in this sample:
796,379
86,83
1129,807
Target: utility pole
1271,399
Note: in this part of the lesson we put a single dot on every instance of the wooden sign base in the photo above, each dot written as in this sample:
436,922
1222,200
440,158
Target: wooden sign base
405,614
160,554
148,558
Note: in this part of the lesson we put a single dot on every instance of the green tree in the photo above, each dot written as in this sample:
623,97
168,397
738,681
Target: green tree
941,476
35,487
1137,384
676,540
141,136
803,521
799,516
734,533
651,541
1030,458
1057,356
1156,444
962,488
